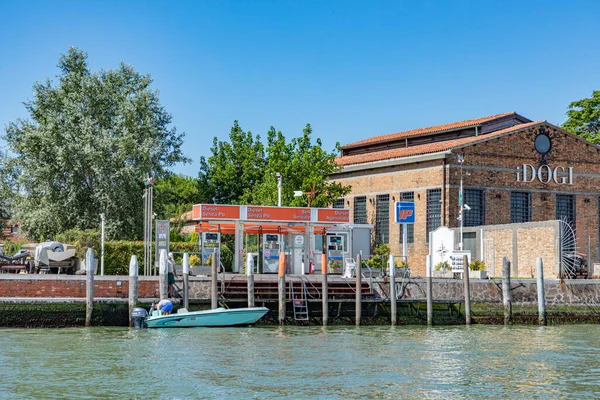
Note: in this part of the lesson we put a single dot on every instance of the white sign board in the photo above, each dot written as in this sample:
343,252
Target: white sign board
441,245
456,260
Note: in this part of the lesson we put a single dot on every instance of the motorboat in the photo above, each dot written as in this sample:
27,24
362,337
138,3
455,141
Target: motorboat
219,317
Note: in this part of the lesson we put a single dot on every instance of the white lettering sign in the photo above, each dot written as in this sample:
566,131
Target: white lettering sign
528,173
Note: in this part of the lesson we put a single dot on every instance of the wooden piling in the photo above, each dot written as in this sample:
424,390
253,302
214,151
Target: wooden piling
133,286
281,288
393,297
186,280
89,288
213,282
540,291
506,292
163,283
358,290
467,290
250,277
325,289
429,293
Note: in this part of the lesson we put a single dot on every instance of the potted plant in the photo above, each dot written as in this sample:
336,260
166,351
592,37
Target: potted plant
443,270
477,270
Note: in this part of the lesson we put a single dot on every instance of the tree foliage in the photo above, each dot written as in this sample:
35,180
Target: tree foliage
584,118
174,195
88,144
242,171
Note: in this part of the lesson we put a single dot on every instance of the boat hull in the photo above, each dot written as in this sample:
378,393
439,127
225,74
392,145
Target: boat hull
219,317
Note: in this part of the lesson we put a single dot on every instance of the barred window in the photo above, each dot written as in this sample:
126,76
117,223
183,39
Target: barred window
520,207
382,218
565,208
410,229
434,210
338,203
475,199
360,210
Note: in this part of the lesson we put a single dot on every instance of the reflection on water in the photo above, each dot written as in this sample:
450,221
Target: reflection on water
302,362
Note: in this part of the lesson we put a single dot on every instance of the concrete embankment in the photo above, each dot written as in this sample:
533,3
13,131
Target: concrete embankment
59,301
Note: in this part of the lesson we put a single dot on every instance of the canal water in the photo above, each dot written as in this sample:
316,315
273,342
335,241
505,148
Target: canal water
492,362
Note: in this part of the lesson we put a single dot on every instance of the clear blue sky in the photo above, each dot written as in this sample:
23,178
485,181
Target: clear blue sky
351,69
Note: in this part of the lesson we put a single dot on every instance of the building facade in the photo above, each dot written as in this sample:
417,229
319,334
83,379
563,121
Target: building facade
512,169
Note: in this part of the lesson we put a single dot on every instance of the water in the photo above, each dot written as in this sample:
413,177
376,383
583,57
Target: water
302,362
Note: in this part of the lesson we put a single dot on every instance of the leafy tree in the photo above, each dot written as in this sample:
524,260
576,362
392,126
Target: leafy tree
88,144
243,172
175,194
233,169
584,118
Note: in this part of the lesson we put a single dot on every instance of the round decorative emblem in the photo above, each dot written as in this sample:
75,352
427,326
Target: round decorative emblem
543,143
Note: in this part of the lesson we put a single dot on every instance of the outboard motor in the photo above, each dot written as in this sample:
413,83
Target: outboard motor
138,316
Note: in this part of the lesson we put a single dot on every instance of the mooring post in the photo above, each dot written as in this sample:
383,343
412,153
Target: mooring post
281,288
163,284
250,276
325,289
186,280
540,291
467,289
89,288
393,297
133,286
506,293
429,292
213,282
358,289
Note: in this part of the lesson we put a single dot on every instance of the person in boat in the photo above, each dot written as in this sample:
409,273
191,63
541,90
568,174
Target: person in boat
164,306
171,273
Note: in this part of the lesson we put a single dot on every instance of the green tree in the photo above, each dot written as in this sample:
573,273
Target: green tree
233,169
88,144
175,194
244,172
584,118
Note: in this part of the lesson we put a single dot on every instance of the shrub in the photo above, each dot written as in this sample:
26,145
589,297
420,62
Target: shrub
194,260
443,266
477,265
10,248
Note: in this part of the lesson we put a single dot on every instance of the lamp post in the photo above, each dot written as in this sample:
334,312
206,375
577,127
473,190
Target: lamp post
461,206
278,176
102,219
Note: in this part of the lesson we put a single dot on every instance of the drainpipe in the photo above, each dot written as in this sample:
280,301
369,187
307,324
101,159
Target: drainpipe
476,130
443,192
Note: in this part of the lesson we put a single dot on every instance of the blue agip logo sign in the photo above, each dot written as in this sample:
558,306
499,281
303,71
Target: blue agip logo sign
405,212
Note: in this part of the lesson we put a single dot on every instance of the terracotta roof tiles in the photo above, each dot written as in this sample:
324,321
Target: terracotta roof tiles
429,147
428,130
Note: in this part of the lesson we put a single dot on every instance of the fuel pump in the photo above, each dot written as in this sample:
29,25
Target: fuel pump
211,244
271,249
335,250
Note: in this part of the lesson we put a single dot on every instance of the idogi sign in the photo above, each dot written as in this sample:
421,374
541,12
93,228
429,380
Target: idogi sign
559,175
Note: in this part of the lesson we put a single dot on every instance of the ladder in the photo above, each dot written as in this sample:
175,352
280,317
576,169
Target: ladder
299,302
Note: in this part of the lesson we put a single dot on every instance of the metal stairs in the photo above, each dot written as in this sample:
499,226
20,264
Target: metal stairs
299,302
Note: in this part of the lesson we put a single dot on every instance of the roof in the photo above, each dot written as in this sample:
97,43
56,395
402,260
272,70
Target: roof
429,147
429,130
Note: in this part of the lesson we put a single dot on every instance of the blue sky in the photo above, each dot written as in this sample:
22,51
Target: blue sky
352,69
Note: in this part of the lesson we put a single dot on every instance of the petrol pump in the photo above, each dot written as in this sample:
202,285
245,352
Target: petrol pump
335,250
211,244
271,250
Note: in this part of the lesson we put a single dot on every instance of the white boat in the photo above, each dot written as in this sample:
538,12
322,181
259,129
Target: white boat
208,318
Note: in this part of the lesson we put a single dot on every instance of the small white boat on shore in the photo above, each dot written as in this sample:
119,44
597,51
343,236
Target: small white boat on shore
219,317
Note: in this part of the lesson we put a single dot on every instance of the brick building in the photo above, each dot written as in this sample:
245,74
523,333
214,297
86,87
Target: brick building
514,170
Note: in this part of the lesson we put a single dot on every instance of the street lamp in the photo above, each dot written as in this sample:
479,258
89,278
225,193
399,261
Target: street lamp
278,176
461,207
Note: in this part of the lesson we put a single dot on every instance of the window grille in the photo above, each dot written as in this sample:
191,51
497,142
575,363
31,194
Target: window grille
360,210
520,207
475,199
434,210
382,218
338,203
410,229
565,208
